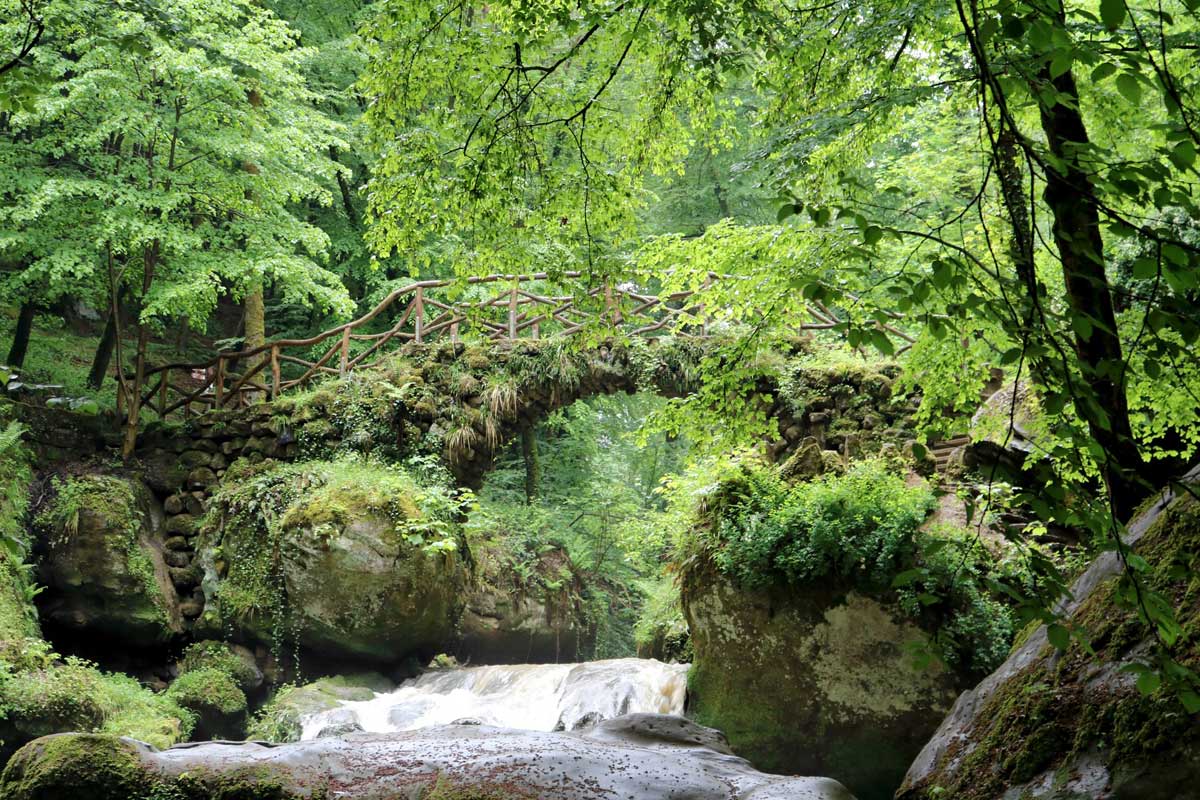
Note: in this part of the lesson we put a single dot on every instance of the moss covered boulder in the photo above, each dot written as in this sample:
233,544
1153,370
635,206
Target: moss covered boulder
813,682
103,564
1066,725
831,632
349,560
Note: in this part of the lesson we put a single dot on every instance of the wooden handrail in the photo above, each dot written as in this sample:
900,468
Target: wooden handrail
515,312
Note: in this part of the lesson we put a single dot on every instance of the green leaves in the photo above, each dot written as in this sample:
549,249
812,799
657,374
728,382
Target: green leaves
1059,636
1112,13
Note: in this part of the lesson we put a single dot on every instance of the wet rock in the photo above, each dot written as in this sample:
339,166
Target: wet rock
1061,725
644,759
510,621
812,680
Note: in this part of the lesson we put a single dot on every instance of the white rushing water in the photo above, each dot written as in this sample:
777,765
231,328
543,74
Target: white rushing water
542,697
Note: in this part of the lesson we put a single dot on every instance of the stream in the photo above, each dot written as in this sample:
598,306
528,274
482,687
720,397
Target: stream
539,697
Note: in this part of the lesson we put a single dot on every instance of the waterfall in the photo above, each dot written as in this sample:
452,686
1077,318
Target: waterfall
542,697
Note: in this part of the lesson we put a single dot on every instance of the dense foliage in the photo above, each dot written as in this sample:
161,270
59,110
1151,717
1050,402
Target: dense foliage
864,528
985,190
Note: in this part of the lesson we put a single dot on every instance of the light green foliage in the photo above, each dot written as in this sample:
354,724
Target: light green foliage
598,498
861,525
173,139
18,618
76,696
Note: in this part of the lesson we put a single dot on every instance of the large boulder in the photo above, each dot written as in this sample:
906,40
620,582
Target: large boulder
649,757
103,563
1050,724
530,615
349,560
816,680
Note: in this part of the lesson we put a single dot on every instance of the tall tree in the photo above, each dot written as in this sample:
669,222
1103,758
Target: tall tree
166,152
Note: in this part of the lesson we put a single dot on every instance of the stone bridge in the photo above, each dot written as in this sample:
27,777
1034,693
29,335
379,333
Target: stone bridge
465,403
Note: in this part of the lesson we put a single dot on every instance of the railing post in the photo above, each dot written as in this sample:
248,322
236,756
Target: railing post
536,327
512,313
219,382
419,314
162,392
453,331
345,351
275,372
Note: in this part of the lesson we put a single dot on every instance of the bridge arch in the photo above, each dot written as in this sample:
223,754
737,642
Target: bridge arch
465,402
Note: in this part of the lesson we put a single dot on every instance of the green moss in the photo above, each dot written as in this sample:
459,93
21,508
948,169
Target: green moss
208,688
220,657
1046,715
81,767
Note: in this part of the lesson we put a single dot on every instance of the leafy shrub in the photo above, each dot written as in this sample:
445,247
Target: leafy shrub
864,528
861,525
76,696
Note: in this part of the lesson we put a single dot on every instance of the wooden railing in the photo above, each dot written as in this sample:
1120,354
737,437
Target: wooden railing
516,312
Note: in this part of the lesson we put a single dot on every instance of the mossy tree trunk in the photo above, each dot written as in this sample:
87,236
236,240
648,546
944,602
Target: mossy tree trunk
256,325
529,452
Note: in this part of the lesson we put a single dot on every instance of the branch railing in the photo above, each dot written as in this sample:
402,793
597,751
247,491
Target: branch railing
516,312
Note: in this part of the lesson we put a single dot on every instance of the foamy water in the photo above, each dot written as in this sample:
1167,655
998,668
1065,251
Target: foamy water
543,697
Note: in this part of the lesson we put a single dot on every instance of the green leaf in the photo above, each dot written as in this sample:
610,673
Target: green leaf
1103,70
907,577
1061,63
1112,13
1183,155
872,234
1190,700
1059,636
1130,87
1148,682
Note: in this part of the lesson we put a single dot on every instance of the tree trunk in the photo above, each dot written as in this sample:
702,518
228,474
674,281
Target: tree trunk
1071,196
255,327
104,351
529,452
20,343
149,264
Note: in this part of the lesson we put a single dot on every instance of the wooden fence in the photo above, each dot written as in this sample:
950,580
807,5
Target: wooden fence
426,315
